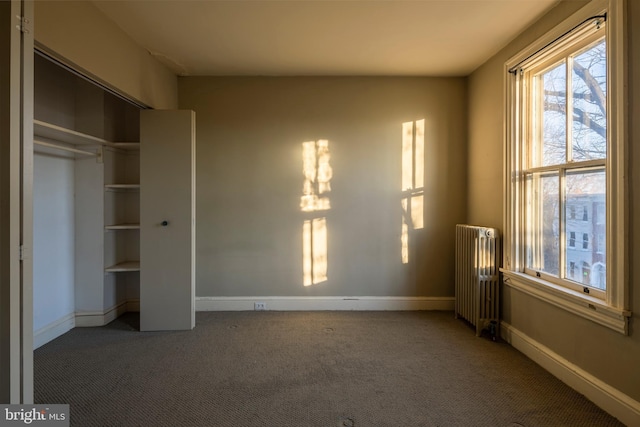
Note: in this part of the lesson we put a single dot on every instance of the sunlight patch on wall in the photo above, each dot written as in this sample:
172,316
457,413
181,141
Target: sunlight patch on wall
314,251
404,239
317,174
417,218
407,155
412,183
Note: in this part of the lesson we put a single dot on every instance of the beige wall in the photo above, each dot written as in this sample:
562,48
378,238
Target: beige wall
486,127
78,32
605,354
249,183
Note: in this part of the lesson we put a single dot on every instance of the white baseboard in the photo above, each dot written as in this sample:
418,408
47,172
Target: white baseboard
324,303
618,404
100,318
81,319
53,330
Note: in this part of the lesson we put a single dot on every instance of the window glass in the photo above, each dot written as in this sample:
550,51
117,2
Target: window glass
589,93
550,145
545,225
586,189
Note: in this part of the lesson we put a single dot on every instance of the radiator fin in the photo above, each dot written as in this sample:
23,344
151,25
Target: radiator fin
477,275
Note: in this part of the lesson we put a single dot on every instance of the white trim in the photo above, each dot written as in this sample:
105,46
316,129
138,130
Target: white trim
590,308
53,330
82,319
614,313
612,400
595,7
325,303
617,180
100,318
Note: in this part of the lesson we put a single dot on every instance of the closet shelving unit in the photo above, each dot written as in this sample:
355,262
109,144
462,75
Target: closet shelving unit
120,225
56,137
122,198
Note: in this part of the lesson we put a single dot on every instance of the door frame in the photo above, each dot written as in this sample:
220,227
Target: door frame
16,206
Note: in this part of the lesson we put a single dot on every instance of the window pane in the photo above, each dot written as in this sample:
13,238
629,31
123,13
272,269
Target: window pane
589,87
544,231
551,126
586,191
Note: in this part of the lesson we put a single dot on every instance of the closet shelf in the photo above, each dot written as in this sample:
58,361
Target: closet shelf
37,143
123,267
58,133
122,227
122,186
132,146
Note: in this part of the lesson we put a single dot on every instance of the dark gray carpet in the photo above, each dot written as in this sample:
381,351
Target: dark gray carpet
303,369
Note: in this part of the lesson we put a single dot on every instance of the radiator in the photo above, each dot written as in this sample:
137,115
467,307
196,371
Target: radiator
477,276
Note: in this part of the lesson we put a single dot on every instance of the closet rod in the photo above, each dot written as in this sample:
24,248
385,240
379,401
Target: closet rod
62,147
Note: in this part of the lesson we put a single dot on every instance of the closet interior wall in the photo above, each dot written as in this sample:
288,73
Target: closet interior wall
86,206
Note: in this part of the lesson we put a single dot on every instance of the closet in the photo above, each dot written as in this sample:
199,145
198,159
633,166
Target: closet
86,202
99,251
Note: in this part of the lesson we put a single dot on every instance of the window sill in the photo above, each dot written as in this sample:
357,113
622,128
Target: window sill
574,302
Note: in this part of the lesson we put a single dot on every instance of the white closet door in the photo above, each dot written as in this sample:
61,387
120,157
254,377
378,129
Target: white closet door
167,220
16,209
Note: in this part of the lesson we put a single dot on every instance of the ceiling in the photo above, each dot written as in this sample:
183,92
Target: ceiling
324,37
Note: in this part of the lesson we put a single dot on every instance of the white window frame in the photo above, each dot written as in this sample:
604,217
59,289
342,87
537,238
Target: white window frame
612,309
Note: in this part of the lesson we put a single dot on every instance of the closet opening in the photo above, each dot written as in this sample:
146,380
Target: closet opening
85,201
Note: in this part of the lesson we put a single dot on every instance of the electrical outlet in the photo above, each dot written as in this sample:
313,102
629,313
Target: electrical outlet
259,306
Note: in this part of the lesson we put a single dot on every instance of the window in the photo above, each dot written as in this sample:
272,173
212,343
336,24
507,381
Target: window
565,152
565,147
